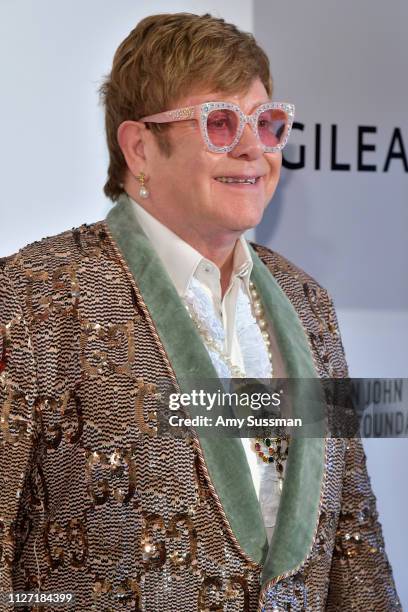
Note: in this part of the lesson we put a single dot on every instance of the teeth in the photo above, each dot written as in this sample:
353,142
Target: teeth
230,179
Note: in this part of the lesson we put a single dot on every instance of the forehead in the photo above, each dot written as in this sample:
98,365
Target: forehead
246,100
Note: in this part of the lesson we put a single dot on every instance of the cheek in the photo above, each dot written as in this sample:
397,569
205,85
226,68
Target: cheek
275,164
194,165
188,149
199,168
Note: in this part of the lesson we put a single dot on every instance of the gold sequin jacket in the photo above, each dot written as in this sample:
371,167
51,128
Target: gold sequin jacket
94,502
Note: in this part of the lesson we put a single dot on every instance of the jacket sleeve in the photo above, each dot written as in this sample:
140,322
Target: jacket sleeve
17,426
361,576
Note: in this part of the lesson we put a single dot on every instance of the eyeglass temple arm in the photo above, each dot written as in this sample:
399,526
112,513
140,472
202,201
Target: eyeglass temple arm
180,114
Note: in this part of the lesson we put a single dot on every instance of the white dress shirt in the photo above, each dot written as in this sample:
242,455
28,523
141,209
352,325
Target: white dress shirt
195,277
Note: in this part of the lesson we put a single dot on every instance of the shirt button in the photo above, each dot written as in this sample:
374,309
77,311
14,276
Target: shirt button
209,269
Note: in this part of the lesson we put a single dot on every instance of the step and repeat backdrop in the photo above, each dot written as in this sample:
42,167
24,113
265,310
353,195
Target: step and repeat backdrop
341,208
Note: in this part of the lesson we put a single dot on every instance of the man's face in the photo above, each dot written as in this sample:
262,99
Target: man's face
184,190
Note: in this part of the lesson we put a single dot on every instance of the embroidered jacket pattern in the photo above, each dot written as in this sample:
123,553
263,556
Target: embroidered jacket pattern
92,501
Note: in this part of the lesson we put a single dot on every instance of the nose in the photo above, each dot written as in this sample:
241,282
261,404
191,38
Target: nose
249,146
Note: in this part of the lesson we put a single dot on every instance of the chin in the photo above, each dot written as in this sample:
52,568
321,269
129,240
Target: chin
247,218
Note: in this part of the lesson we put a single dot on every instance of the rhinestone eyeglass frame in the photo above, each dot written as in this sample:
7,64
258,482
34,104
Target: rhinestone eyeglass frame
200,112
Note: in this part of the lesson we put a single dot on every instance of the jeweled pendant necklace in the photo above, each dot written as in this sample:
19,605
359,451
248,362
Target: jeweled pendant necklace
270,450
275,451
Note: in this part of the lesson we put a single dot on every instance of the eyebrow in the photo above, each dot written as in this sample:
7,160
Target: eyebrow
259,103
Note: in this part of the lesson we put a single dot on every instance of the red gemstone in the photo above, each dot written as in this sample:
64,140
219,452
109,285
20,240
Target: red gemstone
257,446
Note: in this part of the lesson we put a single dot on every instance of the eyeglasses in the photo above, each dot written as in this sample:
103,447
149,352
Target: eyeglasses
222,123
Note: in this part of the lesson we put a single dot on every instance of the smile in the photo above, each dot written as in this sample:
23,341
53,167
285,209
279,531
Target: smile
250,180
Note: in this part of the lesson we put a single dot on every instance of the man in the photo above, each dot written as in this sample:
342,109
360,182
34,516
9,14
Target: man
96,499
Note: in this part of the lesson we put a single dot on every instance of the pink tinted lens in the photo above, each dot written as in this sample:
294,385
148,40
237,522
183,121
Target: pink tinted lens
222,126
272,126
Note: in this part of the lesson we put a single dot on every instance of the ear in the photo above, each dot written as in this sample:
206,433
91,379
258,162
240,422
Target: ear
131,137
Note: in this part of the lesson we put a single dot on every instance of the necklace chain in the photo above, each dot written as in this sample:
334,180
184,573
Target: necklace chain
270,450
212,344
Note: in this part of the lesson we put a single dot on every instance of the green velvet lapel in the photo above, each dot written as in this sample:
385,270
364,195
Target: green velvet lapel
299,506
225,458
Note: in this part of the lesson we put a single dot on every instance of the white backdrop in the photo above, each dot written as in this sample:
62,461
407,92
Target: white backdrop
342,64
53,56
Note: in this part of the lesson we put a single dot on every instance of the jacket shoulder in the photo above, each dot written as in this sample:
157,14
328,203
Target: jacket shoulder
315,308
51,251
51,259
283,268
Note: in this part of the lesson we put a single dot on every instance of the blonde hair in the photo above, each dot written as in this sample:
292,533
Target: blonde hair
164,58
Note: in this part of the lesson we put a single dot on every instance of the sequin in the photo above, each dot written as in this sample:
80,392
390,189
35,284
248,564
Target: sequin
96,504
